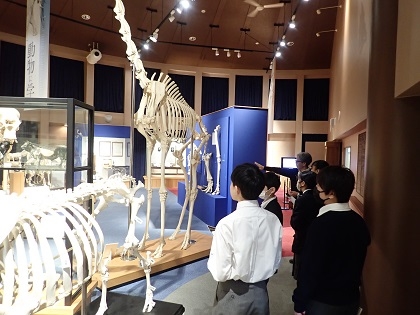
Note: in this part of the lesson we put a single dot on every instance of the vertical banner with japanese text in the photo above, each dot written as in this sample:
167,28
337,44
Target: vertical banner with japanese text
37,48
271,96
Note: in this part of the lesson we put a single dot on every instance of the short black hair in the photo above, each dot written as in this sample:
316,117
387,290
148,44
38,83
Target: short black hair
304,157
249,179
272,180
338,179
320,164
309,178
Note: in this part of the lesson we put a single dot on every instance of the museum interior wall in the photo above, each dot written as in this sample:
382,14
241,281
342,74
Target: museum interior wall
282,142
363,79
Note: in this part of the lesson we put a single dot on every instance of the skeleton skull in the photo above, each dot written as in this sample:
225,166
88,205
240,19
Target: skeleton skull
9,123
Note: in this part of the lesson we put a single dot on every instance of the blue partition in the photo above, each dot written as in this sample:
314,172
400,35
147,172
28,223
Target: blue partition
243,138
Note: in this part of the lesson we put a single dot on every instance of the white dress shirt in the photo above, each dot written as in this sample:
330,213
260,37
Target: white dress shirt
246,244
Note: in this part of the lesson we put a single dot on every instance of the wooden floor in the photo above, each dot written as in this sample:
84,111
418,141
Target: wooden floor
122,272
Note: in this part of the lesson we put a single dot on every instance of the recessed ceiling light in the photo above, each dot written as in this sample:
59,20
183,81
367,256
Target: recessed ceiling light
290,43
203,11
257,43
86,17
192,39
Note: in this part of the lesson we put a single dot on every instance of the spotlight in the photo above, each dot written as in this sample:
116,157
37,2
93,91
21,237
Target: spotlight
216,51
179,10
292,23
283,42
238,53
146,45
185,4
155,36
171,18
227,52
278,52
94,55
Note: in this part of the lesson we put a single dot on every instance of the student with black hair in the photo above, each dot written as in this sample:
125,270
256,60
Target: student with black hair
268,195
318,165
335,250
304,212
246,248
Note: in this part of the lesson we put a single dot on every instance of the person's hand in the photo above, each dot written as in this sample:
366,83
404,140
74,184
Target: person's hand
293,193
261,167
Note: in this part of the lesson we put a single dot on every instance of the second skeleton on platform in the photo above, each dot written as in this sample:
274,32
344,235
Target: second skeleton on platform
206,158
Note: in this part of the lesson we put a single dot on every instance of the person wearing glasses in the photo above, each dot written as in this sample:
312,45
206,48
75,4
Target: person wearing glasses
334,252
303,160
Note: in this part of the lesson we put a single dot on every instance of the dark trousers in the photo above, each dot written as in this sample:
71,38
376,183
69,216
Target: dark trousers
318,308
241,298
296,265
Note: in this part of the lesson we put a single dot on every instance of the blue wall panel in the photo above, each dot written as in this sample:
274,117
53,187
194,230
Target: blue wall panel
243,138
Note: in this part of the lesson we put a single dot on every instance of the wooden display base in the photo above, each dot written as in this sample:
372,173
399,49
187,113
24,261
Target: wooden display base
60,309
171,181
122,272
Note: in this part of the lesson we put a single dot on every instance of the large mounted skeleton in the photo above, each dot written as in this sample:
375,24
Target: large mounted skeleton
164,116
35,273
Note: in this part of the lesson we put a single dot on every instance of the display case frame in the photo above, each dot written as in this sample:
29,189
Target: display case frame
79,120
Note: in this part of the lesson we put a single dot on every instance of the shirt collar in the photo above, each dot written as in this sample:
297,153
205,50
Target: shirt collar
334,207
247,203
266,202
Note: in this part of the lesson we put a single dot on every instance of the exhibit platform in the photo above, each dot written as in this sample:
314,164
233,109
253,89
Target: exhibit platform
132,305
171,181
123,272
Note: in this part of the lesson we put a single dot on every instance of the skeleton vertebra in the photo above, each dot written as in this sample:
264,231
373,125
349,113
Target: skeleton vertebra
164,116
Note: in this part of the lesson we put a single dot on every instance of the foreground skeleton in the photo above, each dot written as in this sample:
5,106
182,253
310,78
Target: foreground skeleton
36,273
164,116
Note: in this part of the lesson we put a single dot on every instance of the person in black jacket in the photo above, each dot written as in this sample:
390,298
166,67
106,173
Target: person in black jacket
303,160
304,212
268,195
334,252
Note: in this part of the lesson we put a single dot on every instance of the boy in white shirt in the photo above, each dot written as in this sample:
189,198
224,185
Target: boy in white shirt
246,248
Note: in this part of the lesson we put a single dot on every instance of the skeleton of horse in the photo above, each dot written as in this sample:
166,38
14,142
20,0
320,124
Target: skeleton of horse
34,279
164,116
41,154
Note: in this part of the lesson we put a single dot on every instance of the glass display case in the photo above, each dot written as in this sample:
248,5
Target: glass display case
54,143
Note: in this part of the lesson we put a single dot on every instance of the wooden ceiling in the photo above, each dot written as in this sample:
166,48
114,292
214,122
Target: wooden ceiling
232,29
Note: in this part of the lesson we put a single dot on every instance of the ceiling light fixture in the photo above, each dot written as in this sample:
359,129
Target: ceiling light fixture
94,55
86,17
278,52
154,36
185,4
227,52
292,23
171,18
325,8
238,53
216,51
328,31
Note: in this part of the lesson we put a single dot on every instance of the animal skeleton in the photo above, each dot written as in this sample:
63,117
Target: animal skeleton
164,116
206,159
9,124
218,157
30,279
